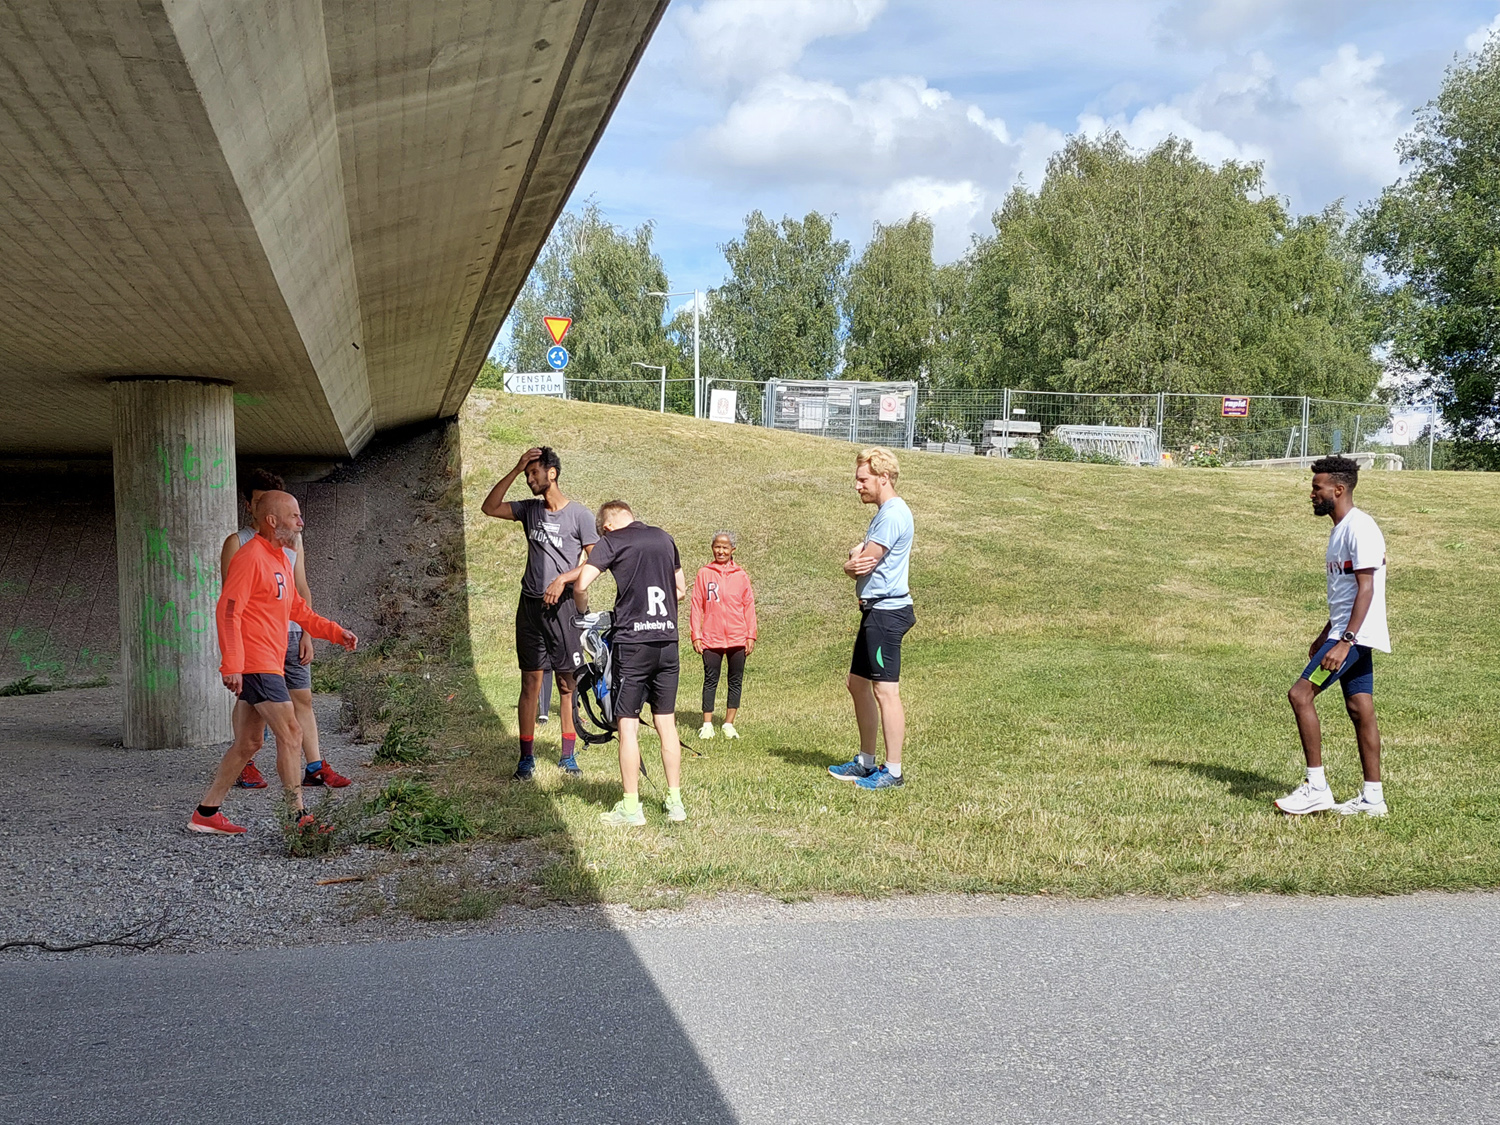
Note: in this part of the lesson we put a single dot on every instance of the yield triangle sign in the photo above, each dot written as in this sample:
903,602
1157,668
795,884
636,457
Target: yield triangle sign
558,326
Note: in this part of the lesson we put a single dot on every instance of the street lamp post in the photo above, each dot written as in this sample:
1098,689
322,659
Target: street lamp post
697,386
663,371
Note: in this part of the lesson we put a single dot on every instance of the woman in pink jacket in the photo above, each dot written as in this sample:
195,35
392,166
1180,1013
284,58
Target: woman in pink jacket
723,625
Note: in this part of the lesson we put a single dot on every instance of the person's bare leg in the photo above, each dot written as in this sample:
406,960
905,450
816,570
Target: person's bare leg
892,719
282,719
1361,710
866,712
1304,701
729,714
302,707
671,748
566,686
630,755
531,694
248,729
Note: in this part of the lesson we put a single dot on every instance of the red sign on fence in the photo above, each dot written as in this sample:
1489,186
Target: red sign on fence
1235,408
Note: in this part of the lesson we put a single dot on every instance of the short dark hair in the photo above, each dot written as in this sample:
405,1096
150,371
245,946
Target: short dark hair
260,480
1343,470
547,458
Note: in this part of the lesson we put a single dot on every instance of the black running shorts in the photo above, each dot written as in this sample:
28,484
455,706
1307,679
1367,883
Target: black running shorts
543,642
877,646
263,687
645,673
298,675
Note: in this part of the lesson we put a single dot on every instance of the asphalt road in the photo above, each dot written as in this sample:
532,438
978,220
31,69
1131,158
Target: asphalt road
1265,1010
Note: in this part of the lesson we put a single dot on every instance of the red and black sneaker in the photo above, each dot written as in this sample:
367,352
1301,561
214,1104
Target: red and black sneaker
250,777
216,825
307,823
325,775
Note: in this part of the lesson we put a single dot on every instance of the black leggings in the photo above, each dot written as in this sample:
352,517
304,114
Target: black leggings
712,659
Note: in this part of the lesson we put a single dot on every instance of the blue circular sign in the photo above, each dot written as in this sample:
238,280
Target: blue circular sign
557,357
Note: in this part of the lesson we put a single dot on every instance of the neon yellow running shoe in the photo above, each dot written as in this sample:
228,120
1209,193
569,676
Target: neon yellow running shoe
674,810
619,817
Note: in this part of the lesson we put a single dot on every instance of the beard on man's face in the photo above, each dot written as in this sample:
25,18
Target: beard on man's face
1322,507
286,536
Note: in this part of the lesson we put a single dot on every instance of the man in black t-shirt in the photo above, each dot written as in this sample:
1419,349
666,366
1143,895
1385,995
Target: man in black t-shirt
648,586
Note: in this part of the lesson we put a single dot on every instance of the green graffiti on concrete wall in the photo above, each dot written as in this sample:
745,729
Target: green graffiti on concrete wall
180,622
210,468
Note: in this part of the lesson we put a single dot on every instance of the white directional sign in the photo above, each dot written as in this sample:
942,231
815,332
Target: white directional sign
544,383
722,402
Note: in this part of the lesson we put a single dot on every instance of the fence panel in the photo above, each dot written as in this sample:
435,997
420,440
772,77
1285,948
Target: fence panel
864,413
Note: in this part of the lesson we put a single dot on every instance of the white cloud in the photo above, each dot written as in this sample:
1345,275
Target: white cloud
743,40
1481,35
1345,108
956,209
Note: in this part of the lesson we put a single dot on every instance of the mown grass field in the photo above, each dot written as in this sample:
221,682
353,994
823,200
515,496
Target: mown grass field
1095,686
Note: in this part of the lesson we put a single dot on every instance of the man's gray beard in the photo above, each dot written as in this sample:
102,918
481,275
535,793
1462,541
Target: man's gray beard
285,538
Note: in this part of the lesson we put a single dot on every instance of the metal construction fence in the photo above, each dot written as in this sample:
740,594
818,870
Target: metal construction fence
1138,429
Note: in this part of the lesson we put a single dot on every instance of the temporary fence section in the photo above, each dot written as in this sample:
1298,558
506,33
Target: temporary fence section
864,413
1134,429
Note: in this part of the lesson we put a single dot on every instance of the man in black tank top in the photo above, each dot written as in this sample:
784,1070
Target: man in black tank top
648,584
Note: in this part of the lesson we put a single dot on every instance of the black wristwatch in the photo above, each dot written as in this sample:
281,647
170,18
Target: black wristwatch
1347,638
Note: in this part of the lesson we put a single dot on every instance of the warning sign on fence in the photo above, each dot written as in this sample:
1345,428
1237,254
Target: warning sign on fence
893,408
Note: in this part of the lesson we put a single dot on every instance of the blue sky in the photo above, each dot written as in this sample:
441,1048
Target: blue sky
873,109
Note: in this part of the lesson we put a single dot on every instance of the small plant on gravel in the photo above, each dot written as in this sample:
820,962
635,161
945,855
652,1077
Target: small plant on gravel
434,900
26,685
401,745
408,814
319,837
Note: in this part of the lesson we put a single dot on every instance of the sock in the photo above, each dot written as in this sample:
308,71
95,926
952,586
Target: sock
631,803
894,768
569,742
207,811
867,760
674,794
528,745
1374,792
1316,778
314,767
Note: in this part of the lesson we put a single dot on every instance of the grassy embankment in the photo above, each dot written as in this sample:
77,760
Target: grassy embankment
1095,686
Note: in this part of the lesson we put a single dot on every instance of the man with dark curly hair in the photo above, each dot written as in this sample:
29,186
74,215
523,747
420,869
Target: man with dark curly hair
1356,626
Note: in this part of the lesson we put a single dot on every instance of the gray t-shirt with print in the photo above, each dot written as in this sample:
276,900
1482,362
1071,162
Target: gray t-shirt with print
554,540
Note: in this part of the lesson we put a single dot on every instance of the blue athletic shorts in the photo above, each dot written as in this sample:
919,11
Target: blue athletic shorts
263,687
1356,677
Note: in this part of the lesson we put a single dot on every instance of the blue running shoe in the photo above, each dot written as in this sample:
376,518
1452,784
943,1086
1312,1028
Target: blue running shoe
569,765
851,770
524,770
881,779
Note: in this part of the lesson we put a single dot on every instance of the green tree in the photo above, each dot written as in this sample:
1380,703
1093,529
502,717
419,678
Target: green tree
778,314
600,276
890,301
1134,273
1437,233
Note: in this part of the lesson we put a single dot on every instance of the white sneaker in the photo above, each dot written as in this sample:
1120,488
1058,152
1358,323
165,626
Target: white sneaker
1359,806
730,732
1305,799
706,731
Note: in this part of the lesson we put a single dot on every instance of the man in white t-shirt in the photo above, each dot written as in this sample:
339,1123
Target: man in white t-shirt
1356,626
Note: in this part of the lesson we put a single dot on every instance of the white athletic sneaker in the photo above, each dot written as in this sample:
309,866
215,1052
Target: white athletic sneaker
730,732
1358,806
1305,799
706,731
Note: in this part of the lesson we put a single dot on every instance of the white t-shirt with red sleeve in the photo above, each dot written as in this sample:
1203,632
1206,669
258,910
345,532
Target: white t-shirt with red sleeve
1356,544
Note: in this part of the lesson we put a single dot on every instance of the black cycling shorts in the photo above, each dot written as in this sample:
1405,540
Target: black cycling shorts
645,673
263,687
544,643
877,646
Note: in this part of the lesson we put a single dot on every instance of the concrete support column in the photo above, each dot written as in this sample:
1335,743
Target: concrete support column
174,504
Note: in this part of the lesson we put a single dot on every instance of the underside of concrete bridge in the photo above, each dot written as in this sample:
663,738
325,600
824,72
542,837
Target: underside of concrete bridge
267,229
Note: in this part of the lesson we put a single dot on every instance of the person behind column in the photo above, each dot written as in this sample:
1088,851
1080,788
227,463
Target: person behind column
722,622
879,566
259,598
648,586
1356,625
559,536
299,647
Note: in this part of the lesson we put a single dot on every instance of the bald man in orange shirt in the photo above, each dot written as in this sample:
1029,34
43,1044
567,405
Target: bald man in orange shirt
258,599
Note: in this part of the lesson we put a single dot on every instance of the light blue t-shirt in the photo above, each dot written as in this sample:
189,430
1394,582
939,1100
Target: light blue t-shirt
894,529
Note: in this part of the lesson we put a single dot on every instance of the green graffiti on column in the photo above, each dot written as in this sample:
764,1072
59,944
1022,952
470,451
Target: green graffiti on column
178,623
194,466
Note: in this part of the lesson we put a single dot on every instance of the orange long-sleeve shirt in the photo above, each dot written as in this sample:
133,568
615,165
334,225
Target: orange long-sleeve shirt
258,599
722,613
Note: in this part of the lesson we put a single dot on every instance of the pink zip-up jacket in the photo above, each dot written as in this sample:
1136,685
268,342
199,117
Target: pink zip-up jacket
723,606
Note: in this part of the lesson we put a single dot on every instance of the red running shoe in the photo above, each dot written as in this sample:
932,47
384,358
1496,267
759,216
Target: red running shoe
216,825
326,775
250,777
306,822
